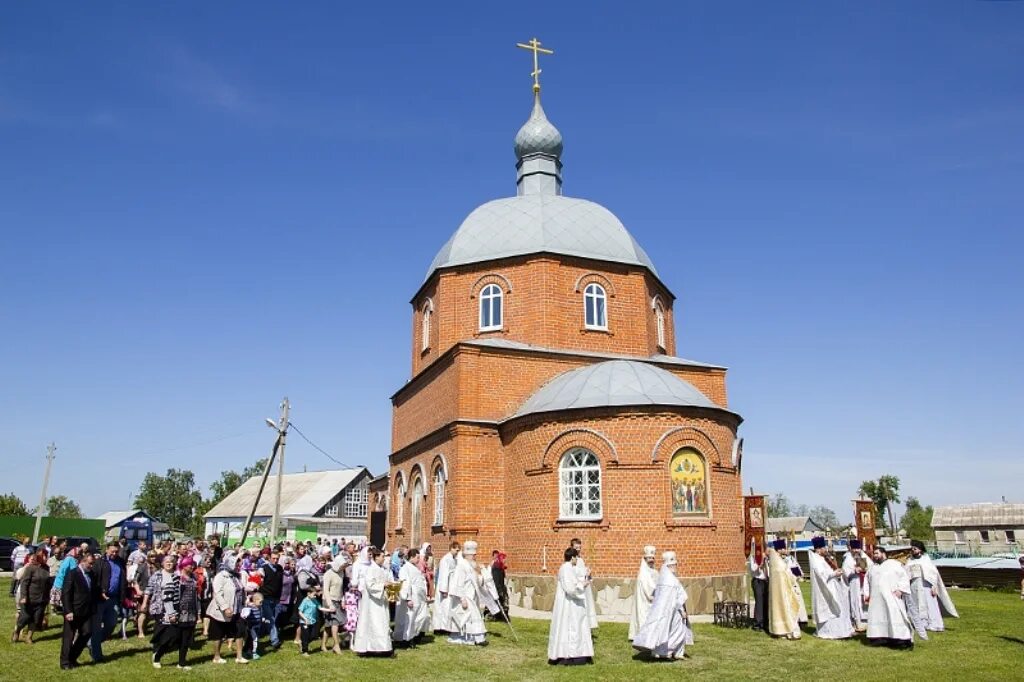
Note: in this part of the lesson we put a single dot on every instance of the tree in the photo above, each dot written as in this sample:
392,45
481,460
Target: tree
11,505
231,480
917,521
62,507
778,506
883,493
174,499
824,517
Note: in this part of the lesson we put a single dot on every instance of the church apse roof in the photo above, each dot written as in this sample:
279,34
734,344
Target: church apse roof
615,383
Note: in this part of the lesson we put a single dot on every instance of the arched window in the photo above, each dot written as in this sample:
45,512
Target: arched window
490,308
399,501
688,474
579,489
595,307
659,322
428,312
417,511
439,497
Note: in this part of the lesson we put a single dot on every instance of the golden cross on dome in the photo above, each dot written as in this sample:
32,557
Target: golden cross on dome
534,46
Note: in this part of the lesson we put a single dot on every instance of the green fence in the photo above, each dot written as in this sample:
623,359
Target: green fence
22,526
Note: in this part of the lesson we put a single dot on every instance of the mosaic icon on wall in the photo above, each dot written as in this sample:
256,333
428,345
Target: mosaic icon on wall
689,483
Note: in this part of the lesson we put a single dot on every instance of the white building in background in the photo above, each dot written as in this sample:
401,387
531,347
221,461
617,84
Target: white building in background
314,504
981,529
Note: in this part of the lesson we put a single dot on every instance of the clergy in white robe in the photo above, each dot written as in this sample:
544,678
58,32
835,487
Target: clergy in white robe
888,622
784,595
829,602
412,617
569,640
467,621
927,589
584,573
855,567
643,592
373,631
666,631
442,620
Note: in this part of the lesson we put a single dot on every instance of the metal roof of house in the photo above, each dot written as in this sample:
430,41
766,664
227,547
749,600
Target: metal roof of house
614,383
114,518
790,524
981,514
302,494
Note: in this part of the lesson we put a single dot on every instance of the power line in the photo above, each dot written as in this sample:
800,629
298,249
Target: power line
318,448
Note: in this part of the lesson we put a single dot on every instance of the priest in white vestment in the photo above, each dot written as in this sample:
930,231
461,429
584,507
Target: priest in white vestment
442,620
373,631
927,589
829,602
888,622
569,640
855,568
643,592
666,631
412,617
467,622
584,573
784,595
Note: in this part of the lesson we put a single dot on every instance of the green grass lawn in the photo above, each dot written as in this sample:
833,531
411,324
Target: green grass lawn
987,643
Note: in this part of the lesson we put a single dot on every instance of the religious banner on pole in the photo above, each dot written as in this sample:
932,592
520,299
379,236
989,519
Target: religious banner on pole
754,515
864,518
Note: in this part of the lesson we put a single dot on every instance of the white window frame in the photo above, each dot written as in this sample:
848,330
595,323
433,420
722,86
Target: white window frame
439,493
986,536
331,510
492,297
400,503
595,300
428,313
579,478
1011,536
959,538
659,323
357,502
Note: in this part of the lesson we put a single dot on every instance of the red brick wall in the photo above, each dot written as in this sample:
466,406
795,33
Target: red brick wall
543,305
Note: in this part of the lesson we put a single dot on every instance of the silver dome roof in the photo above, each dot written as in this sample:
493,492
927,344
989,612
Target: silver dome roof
538,135
614,383
540,223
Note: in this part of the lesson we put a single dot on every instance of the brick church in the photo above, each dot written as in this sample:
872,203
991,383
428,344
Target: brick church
547,402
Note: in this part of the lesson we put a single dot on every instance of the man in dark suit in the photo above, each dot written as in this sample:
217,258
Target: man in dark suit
111,578
78,599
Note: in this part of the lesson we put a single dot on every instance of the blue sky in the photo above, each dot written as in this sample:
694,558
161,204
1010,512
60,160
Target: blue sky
206,207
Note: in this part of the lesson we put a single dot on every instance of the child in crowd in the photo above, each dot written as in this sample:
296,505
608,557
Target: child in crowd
252,623
309,617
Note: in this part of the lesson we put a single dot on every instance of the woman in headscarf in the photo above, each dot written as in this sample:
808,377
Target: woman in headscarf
498,570
666,631
334,603
181,611
228,599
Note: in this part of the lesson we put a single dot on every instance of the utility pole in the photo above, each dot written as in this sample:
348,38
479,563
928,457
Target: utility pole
50,450
282,429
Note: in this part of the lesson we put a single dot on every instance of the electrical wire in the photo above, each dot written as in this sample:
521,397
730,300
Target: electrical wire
318,448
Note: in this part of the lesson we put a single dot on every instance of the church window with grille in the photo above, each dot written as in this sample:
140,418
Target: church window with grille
579,491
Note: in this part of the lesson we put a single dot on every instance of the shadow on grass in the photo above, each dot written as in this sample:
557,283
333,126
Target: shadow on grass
1013,640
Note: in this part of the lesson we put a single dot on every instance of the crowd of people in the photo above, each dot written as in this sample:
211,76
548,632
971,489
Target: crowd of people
242,600
366,600
890,599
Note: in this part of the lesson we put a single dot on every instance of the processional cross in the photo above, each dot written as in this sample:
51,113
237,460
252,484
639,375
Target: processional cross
535,46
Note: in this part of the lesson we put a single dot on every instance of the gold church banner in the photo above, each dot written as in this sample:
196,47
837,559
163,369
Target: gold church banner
754,515
864,517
